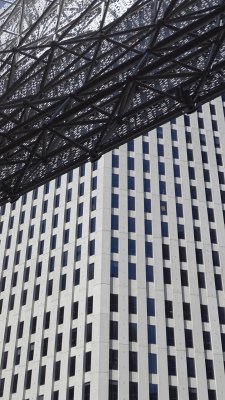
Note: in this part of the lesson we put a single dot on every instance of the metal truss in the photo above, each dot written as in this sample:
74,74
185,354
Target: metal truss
81,77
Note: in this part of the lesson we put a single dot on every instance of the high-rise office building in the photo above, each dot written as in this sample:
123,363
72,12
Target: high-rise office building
112,280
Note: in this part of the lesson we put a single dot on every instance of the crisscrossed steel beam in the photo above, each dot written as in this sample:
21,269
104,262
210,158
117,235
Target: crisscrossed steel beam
80,77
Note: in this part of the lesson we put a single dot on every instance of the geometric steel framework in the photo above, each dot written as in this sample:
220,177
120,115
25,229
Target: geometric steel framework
81,77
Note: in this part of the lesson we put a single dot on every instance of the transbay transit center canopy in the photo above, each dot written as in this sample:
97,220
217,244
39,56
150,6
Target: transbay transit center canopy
81,77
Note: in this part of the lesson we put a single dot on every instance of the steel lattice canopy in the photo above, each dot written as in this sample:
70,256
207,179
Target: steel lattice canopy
80,77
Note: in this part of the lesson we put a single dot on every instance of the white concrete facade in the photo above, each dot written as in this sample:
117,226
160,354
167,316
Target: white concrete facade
53,344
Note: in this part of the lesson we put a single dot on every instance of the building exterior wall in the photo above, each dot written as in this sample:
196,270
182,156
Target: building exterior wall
166,193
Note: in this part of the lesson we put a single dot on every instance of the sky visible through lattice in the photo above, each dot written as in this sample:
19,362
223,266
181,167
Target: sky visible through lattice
22,14
5,3
120,6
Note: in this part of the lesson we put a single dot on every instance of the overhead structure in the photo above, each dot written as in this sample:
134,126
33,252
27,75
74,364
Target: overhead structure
81,77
